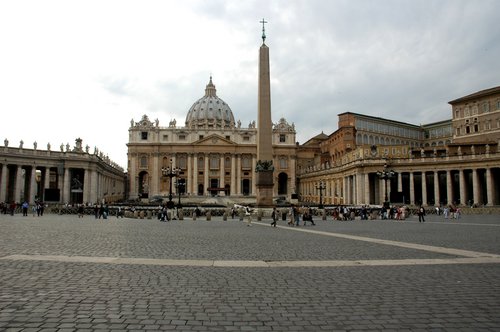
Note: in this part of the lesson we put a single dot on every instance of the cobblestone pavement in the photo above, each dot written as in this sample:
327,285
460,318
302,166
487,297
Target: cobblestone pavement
61,273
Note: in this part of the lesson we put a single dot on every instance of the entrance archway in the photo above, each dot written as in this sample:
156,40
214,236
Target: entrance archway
245,187
143,184
282,184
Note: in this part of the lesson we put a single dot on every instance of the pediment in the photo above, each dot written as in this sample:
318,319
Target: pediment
214,140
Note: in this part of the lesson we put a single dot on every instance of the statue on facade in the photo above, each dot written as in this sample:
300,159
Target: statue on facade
21,143
34,145
239,124
67,147
6,142
131,122
487,147
472,149
48,146
157,122
459,151
62,147
87,147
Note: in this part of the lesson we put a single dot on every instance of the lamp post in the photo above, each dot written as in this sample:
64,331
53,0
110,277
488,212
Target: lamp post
321,186
170,172
179,185
385,175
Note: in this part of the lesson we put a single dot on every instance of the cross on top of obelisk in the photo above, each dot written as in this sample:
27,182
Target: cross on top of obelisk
263,30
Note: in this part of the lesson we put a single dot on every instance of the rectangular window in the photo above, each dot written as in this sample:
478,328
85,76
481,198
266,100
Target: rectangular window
200,137
182,137
246,138
486,107
214,162
283,163
165,137
144,135
476,128
228,138
282,138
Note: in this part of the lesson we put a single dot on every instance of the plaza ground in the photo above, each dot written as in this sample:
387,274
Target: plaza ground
64,273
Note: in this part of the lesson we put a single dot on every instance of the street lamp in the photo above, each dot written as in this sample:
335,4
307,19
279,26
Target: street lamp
179,185
321,186
385,175
170,172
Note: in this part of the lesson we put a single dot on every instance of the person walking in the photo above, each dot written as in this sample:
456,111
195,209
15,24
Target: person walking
421,214
248,213
274,216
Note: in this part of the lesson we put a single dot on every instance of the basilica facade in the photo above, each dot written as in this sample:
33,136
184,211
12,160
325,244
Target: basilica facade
212,154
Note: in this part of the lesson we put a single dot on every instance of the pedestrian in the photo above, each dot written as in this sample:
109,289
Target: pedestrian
80,210
96,211
292,216
25,206
248,213
421,214
296,215
274,216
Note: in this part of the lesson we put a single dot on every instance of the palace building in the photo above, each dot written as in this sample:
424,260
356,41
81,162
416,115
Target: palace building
369,160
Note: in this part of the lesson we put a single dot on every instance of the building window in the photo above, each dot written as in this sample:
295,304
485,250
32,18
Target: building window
458,131
246,162
228,138
227,162
486,107
283,163
457,113
143,162
476,128
182,137
200,137
165,137
246,138
181,162
144,135
282,138
467,130
498,104
214,162
467,111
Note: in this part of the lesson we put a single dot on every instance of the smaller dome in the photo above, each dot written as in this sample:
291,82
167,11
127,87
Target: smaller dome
210,111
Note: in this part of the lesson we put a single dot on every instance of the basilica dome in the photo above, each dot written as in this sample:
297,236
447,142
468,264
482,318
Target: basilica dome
210,111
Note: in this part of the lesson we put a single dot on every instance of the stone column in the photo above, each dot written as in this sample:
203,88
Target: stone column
189,180
133,190
476,194
381,191
293,176
449,187
461,180
489,188
424,189
195,174
93,187
3,183
66,186
367,189
233,175
205,174
222,173
254,162
437,198
238,174
33,185
400,182
86,185
344,189
412,189
19,186
154,187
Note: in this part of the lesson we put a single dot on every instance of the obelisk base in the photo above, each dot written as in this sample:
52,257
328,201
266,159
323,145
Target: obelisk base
265,186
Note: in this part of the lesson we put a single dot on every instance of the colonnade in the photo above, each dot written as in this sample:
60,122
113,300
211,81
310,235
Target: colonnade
359,186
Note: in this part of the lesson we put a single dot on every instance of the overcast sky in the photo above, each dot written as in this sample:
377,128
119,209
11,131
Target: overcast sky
72,69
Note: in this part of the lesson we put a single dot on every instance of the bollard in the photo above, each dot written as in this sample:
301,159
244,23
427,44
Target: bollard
259,215
209,215
323,215
180,212
224,216
194,215
149,214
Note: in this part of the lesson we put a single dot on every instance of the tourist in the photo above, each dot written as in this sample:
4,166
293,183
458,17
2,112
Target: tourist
248,213
421,214
25,206
274,216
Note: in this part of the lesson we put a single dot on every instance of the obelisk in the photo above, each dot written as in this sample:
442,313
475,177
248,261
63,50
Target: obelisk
264,167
